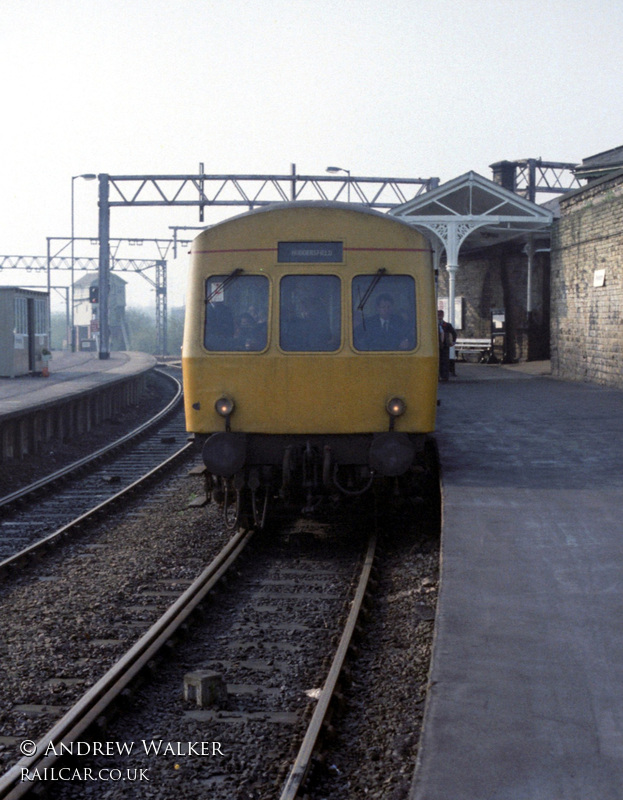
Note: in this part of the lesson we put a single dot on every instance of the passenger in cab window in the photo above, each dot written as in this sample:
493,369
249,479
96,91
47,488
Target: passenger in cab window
249,335
384,330
309,313
309,329
219,326
236,312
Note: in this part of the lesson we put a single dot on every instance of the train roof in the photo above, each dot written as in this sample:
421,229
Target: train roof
299,204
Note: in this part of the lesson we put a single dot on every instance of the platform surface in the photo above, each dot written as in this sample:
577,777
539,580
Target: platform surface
70,374
526,684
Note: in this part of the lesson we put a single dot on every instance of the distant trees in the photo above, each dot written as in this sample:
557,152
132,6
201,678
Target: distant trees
58,324
175,330
142,329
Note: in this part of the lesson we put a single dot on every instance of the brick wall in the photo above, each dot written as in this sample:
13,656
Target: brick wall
586,329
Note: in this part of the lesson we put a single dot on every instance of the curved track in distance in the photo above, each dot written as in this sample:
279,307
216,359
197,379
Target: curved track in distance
42,512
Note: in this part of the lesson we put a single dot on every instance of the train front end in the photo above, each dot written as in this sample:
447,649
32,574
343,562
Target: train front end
310,354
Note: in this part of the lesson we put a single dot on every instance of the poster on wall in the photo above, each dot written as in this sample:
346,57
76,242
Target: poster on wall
19,341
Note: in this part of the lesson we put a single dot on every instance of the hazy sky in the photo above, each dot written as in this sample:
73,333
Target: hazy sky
410,88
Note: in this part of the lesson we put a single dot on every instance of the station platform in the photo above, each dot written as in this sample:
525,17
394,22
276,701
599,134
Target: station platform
526,685
70,374
80,392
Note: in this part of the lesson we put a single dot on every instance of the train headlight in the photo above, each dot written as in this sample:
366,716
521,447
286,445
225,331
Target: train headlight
396,407
224,406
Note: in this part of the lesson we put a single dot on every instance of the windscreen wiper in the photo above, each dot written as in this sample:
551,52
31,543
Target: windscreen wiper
379,274
229,279
363,300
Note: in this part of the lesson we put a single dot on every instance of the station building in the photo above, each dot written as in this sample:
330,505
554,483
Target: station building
542,280
86,312
24,331
491,250
587,275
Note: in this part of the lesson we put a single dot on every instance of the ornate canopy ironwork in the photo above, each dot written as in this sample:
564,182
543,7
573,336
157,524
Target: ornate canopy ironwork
471,209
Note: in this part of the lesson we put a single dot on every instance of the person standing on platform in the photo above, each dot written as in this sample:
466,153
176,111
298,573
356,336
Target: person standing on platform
447,338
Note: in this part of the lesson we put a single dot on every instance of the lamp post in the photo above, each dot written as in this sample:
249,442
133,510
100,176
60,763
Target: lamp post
334,170
87,177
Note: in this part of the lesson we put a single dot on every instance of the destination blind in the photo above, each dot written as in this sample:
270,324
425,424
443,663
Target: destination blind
310,252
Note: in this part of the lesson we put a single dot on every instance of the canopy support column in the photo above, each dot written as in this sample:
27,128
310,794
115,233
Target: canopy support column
530,252
452,234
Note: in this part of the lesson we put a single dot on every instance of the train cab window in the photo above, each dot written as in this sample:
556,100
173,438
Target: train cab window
236,312
310,316
384,312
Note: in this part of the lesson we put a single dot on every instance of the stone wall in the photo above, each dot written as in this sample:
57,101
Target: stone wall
496,278
586,329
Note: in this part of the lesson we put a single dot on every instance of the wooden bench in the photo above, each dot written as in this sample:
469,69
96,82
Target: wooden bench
478,347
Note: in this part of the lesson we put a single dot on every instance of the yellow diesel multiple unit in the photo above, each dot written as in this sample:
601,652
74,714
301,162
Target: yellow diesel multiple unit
310,352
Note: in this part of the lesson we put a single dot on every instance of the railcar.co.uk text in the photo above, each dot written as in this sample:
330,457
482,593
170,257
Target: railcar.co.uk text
149,747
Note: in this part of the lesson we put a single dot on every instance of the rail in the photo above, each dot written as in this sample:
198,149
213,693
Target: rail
300,769
20,494
102,694
72,523
20,557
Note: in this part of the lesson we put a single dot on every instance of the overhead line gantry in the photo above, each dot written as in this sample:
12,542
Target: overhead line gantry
250,191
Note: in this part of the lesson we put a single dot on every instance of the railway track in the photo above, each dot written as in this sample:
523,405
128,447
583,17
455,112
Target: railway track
48,510
268,638
267,641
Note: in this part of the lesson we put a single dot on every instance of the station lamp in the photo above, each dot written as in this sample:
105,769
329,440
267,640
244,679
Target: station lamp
335,170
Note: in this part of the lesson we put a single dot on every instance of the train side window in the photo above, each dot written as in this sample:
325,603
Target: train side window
310,313
236,312
384,318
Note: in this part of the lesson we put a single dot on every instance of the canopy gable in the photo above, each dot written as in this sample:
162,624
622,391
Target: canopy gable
487,212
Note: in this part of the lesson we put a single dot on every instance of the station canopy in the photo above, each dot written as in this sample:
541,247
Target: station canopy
473,210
